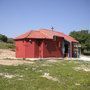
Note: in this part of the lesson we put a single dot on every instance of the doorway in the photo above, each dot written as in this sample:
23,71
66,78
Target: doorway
65,49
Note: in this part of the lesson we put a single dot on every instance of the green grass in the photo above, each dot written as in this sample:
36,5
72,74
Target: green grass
28,77
6,45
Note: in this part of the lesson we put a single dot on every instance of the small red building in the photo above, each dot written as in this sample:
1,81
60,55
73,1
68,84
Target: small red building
44,43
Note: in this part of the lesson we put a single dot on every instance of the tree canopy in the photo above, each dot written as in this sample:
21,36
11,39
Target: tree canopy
3,38
83,37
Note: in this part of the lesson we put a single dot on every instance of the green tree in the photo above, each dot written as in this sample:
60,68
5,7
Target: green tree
83,37
3,38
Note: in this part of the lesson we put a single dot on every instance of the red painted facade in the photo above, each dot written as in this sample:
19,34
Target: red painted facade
38,44
38,48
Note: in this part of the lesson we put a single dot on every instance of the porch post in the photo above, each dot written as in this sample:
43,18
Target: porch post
77,51
70,49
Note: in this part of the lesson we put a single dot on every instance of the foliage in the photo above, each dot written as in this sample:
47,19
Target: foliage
4,45
86,52
3,38
10,40
29,76
83,37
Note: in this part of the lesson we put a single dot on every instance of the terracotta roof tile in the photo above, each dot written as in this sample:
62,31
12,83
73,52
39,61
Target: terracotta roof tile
45,33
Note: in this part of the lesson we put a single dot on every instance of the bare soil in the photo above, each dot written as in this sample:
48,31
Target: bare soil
46,75
7,53
7,57
14,62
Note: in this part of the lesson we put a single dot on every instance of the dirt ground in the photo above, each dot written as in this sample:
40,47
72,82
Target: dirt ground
6,54
7,57
14,62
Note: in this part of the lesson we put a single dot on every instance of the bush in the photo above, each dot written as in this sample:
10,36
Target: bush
3,38
10,40
6,45
86,52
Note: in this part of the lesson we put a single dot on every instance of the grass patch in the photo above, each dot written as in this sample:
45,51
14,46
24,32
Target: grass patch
4,45
28,77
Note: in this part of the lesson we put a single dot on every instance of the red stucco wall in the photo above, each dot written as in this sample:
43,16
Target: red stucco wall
52,48
42,49
29,49
24,49
38,49
20,49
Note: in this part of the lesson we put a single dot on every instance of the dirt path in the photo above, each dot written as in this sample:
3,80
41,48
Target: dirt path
84,58
7,57
7,53
14,62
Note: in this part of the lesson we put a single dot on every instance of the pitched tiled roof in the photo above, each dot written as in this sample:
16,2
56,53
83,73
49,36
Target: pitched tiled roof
32,34
45,33
51,33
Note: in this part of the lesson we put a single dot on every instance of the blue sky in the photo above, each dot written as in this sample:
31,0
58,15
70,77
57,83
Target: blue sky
19,16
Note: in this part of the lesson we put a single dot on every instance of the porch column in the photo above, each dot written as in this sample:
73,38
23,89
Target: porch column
70,49
78,50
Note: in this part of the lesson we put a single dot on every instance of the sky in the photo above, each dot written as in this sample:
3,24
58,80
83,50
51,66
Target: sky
20,16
